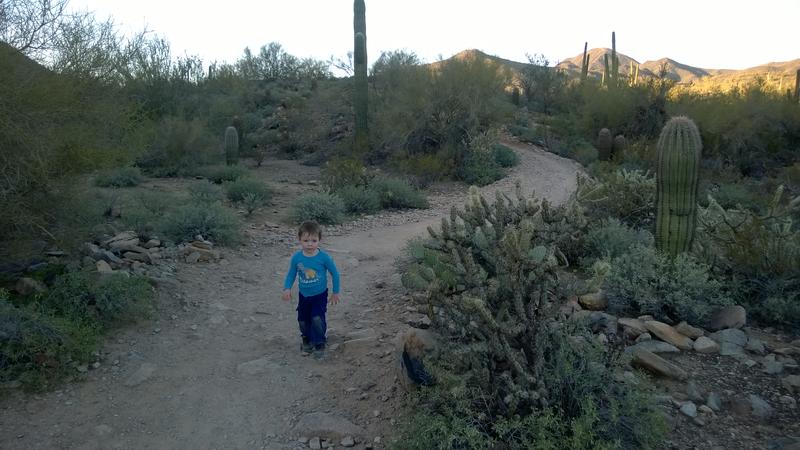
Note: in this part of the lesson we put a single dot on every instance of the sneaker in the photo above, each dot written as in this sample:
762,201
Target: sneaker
306,346
319,351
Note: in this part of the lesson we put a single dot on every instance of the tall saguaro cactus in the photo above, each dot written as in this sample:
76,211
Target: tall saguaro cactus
614,59
585,62
231,146
361,140
797,86
677,175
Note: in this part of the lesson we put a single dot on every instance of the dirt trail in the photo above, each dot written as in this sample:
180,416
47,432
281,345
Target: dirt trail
220,365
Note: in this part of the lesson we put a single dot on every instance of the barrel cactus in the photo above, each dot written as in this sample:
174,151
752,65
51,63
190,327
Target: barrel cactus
231,146
677,175
619,143
604,144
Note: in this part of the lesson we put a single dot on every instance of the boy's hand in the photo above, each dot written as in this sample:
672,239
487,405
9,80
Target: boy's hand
287,295
335,299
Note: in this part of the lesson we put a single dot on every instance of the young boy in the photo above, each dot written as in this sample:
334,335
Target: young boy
312,265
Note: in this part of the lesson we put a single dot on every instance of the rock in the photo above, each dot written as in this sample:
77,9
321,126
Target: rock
123,236
773,367
193,257
733,316
644,337
789,401
410,346
791,383
668,334
325,424
755,346
593,301
126,245
704,344
111,258
634,327
730,349
314,443
205,245
656,364
144,373
348,442
152,243
760,407
103,267
705,410
653,346
730,335
140,257
694,391
688,330
689,409
714,401
28,286
787,351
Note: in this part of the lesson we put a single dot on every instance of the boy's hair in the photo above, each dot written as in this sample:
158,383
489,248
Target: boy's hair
310,227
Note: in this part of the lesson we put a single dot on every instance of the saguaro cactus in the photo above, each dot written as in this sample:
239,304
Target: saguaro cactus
797,86
585,62
361,139
231,146
614,59
604,144
677,175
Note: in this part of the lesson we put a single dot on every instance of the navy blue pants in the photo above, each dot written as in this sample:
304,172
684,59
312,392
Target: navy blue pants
311,317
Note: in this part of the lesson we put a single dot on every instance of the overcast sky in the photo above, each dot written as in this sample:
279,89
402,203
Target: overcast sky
712,34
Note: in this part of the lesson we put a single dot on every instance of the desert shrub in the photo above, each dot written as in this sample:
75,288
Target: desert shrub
37,349
219,174
119,299
627,195
740,194
530,135
237,190
758,252
206,192
339,173
644,281
359,200
397,193
179,145
505,377
782,310
479,166
71,296
123,177
504,156
425,168
582,151
612,238
321,207
212,221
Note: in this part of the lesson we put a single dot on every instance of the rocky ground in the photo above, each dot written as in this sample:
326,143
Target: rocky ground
220,364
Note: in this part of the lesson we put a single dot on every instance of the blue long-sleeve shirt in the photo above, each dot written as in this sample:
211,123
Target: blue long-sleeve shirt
312,272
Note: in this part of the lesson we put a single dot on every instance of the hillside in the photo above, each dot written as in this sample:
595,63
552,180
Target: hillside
776,75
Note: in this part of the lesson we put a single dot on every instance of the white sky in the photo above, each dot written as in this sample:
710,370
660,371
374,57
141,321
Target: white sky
712,34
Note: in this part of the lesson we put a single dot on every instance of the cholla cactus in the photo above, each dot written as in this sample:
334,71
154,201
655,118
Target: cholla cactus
490,271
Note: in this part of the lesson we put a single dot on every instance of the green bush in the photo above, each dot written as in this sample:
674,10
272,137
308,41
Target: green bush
178,146
782,310
257,191
38,349
644,281
358,200
212,221
627,195
340,173
397,193
425,168
583,152
219,174
612,238
504,156
123,177
206,192
321,207
119,298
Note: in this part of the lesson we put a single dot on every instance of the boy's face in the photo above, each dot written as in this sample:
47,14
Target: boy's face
309,242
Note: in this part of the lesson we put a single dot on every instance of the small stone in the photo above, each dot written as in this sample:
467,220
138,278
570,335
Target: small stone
643,337
789,401
314,443
689,409
705,410
303,440
688,330
348,442
83,368
755,346
714,401
694,391
760,407
730,349
791,383
96,365
103,267
705,345
773,367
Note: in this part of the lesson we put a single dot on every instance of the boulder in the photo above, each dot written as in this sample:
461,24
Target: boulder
688,330
653,346
657,365
410,347
593,301
633,327
705,344
730,335
733,316
668,334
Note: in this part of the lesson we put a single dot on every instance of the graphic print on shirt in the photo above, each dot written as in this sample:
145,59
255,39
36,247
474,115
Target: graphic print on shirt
306,275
